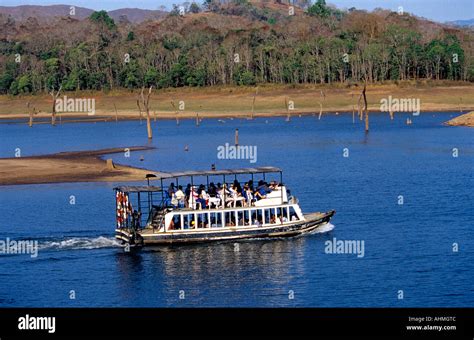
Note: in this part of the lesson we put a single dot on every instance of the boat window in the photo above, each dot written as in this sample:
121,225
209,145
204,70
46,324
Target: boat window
229,219
282,215
175,223
202,221
293,215
216,220
257,217
188,221
240,218
269,216
247,217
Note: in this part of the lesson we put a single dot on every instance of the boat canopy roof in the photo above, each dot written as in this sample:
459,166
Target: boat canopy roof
144,188
258,170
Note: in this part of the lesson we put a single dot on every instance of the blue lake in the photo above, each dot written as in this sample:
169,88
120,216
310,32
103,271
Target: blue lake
409,247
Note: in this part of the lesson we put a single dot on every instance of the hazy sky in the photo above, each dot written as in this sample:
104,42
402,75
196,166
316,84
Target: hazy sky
439,10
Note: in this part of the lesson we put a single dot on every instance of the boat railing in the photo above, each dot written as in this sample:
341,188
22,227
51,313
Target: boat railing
184,219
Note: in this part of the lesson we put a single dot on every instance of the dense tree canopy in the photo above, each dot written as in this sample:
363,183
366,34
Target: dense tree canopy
238,43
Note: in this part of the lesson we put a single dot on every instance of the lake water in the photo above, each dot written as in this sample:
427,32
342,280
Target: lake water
410,248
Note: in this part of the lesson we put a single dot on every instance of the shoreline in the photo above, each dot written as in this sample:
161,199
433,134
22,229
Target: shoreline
83,118
69,167
241,102
466,119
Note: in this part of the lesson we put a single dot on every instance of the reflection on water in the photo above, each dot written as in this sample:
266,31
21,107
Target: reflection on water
257,267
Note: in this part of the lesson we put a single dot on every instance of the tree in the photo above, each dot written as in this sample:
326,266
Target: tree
194,8
319,9
145,99
102,17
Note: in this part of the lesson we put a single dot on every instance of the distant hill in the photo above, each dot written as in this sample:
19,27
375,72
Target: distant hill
136,15
462,23
21,13
44,12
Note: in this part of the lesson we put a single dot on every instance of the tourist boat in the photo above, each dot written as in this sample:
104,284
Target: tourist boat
147,215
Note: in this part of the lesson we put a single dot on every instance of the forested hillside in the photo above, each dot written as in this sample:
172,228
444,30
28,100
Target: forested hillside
238,43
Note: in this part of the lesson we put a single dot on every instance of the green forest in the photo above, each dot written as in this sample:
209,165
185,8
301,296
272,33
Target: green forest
236,43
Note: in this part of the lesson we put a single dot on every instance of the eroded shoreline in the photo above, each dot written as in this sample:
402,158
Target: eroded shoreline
75,166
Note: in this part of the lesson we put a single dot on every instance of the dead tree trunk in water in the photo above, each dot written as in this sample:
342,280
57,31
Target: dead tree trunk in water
146,105
175,111
323,96
287,110
139,110
116,115
366,111
54,96
31,113
253,103
359,108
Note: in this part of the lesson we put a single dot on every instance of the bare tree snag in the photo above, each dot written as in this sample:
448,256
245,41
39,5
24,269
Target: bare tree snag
31,114
366,111
253,103
139,110
353,110
54,97
175,111
323,97
146,104
116,114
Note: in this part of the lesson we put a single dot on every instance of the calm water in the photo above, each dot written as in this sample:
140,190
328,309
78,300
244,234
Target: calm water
408,247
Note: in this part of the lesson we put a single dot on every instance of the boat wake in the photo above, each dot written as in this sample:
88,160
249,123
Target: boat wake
79,243
323,228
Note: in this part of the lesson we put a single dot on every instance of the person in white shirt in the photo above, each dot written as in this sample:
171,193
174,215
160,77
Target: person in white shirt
178,198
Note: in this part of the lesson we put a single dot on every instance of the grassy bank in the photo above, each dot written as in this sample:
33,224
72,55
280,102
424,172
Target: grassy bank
237,101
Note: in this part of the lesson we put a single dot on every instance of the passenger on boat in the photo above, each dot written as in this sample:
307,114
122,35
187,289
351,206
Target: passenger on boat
224,194
171,190
178,198
212,190
248,195
262,190
187,194
193,196
235,196
136,219
213,199
202,197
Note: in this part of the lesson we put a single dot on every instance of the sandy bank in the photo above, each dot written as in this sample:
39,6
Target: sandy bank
466,119
81,166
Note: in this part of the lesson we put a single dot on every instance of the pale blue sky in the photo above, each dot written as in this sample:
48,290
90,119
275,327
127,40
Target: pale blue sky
439,10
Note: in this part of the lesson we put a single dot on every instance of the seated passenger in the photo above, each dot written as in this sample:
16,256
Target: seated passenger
187,194
212,190
262,190
202,198
179,195
193,196
248,195
224,194
235,196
